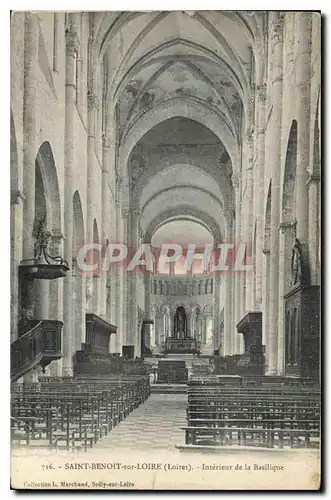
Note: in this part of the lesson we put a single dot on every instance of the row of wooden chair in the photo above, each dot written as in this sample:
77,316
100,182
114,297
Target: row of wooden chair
275,417
73,413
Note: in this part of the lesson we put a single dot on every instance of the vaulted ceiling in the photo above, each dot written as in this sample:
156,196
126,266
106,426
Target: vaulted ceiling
181,81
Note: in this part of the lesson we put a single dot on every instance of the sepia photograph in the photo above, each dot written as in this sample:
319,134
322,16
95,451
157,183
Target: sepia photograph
165,250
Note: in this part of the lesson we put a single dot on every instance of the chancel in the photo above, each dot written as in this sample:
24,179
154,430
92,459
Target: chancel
194,135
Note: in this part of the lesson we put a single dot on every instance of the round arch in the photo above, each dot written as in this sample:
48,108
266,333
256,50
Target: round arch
182,196
288,195
210,223
217,175
177,107
183,189
45,164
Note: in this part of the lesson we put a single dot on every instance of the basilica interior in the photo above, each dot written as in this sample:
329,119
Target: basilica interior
190,129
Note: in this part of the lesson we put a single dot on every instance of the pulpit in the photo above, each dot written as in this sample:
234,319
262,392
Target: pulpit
302,331
93,358
252,361
302,321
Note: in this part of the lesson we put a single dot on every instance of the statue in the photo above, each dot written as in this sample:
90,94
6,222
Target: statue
180,323
297,264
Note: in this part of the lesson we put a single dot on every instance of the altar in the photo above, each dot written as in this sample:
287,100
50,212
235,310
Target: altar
180,341
180,345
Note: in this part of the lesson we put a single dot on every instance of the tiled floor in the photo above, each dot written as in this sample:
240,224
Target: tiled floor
155,424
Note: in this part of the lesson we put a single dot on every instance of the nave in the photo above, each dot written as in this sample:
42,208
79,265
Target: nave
194,136
154,425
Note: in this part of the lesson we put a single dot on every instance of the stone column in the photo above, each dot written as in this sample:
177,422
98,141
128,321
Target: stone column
265,295
70,93
16,256
247,216
277,91
118,285
56,286
204,329
29,147
216,306
193,323
259,180
162,328
302,94
314,190
148,292
93,103
233,346
29,130
227,280
229,331
285,248
132,277
105,221
124,280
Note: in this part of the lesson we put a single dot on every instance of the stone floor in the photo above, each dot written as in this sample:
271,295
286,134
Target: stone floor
154,424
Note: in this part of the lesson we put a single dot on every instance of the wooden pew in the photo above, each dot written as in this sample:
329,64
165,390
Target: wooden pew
73,413
270,417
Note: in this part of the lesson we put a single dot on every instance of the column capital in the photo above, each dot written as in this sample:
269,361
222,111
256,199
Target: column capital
250,163
72,43
106,142
119,183
278,31
287,225
235,181
16,197
135,211
125,213
57,235
92,100
262,93
313,177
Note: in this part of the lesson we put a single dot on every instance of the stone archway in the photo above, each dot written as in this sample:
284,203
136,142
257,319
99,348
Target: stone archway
48,206
176,107
47,293
286,238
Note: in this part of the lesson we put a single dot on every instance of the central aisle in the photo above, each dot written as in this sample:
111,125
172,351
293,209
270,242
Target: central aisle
155,424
